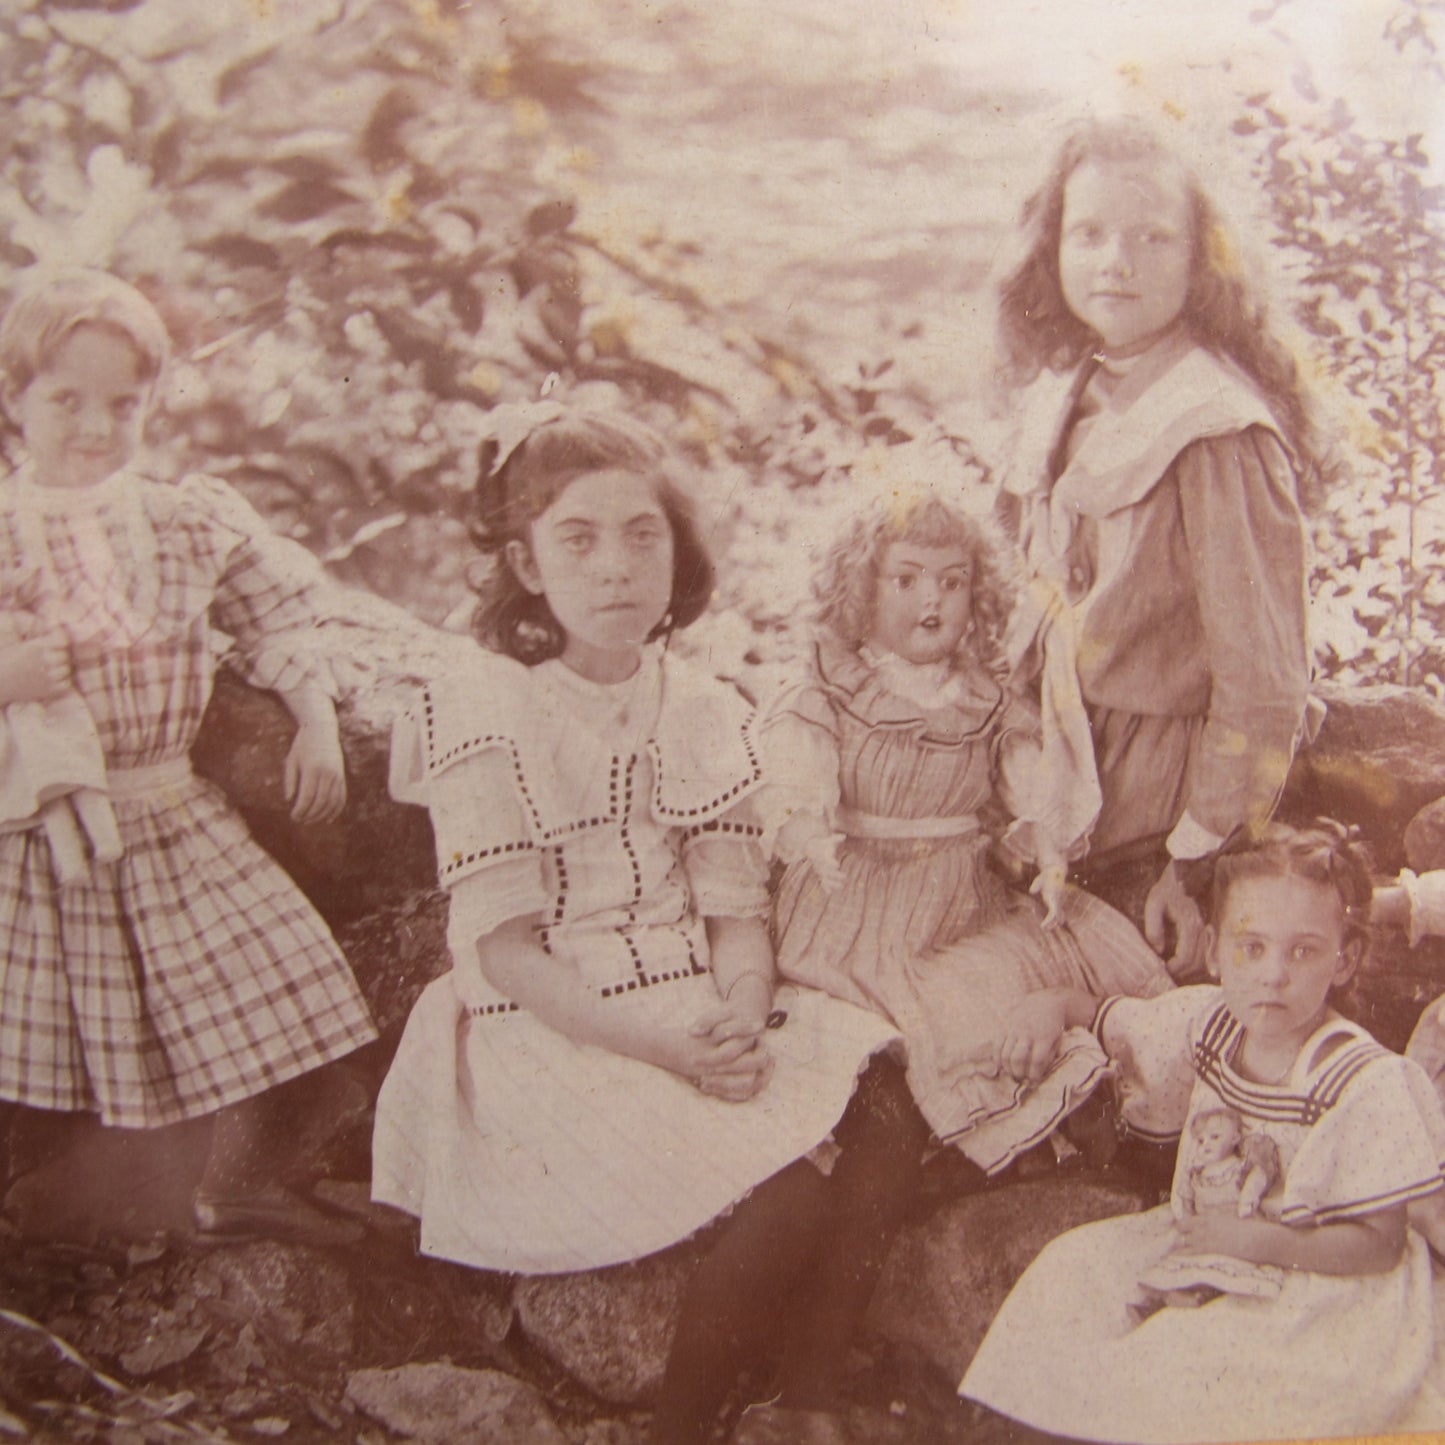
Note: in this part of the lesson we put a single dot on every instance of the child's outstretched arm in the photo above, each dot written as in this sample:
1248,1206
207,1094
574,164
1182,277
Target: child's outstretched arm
515,964
314,777
1371,1244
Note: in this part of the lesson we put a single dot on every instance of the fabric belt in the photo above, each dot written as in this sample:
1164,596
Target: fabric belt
875,825
138,782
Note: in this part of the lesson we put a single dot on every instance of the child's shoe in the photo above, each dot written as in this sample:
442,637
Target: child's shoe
272,1212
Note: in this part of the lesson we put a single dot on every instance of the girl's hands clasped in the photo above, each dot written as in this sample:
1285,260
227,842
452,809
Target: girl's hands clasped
723,1054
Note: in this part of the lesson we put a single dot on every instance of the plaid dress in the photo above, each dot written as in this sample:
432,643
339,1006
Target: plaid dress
191,973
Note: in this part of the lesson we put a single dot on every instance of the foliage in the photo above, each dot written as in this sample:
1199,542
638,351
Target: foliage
368,222
1358,217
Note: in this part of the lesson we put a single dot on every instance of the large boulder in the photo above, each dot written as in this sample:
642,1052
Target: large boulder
1379,758
443,1404
948,1275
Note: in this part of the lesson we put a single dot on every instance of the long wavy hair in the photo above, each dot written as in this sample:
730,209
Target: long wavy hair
510,497
1224,308
846,582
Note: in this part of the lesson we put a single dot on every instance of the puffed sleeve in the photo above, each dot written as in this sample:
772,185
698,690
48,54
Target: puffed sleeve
270,595
726,865
798,751
484,857
1381,1145
1150,1041
1247,547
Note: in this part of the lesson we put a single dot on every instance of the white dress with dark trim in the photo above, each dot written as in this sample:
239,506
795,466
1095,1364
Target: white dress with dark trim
1358,1129
620,814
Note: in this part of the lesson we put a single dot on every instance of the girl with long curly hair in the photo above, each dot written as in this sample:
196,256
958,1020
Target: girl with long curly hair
899,762
1163,443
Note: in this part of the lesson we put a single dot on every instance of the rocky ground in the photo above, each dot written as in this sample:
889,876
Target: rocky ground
118,1325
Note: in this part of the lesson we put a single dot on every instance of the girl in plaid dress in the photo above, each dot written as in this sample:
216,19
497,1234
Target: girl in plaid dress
188,976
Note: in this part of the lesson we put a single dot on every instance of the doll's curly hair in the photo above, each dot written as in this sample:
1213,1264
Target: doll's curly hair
510,497
845,583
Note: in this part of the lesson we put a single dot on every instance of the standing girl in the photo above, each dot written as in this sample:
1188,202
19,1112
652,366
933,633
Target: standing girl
1163,443
607,1068
165,967
1347,1341
895,764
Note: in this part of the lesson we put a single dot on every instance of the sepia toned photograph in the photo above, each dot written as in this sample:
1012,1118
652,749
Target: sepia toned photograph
722,724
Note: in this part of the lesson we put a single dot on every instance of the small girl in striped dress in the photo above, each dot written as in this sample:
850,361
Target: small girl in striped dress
155,964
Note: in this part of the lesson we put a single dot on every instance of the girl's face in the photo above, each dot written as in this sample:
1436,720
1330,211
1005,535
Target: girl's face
601,555
1125,250
922,602
83,414
1279,950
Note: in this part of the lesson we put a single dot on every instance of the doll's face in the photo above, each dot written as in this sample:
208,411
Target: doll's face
1125,250
1216,1137
922,601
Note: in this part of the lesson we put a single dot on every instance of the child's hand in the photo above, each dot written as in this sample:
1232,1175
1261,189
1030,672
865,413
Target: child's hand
315,774
1031,1034
1049,887
1219,1233
1169,912
37,670
723,1055
822,853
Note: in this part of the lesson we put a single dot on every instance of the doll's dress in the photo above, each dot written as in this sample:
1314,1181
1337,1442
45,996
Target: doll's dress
191,972
621,814
1357,1128
925,930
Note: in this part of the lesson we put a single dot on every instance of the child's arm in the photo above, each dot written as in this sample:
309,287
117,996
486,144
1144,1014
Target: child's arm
1372,1244
515,964
314,777
37,670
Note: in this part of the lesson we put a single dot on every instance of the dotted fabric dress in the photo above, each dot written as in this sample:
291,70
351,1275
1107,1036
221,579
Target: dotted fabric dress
924,929
1357,1129
191,973
620,814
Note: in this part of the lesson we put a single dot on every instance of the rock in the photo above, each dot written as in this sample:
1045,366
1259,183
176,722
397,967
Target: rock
1425,838
1379,759
296,1296
948,1275
445,1404
609,1329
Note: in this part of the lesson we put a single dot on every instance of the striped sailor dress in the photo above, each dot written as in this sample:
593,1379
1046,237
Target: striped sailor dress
1356,1129
620,816
189,972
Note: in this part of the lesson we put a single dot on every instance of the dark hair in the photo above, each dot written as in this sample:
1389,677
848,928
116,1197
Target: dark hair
510,619
1325,852
1223,308
846,582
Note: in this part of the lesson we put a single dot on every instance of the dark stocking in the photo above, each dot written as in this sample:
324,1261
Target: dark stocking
762,1248
244,1143
882,1137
